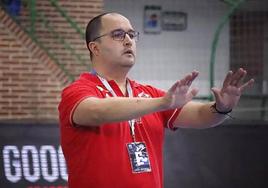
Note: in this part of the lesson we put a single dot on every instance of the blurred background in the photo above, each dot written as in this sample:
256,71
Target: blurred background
42,49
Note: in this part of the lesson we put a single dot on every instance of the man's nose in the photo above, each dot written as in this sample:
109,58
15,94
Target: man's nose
128,41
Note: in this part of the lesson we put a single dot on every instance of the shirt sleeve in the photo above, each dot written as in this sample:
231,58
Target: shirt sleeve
71,98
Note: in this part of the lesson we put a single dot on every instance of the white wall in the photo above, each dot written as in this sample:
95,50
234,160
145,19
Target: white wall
164,58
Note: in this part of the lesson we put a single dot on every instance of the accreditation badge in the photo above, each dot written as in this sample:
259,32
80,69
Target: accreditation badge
138,156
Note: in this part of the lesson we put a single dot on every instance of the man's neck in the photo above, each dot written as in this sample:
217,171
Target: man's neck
120,77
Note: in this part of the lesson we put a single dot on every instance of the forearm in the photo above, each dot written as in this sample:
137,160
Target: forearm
209,117
198,115
96,111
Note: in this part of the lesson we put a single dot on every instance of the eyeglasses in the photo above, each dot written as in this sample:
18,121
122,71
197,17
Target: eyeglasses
120,35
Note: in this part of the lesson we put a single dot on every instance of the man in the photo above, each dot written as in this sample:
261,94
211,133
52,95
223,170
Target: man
112,128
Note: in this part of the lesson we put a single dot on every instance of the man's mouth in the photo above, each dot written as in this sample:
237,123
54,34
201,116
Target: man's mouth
129,52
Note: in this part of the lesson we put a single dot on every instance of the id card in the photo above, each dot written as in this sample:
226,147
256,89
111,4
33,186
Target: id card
138,157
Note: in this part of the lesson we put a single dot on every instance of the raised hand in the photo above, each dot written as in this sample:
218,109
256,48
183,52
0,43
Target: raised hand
233,86
180,93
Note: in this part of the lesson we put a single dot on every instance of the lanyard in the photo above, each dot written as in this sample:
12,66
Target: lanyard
130,94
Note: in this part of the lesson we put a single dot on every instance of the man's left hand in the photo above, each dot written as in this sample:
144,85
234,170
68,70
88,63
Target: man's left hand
233,86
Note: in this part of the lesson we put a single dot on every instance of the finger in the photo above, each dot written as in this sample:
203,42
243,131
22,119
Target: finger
191,94
217,93
173,87
247,85
237,76
186,79
227,79
241,79
194,92
194,74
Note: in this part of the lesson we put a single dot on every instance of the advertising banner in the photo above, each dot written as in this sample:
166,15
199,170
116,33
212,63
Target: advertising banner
31,156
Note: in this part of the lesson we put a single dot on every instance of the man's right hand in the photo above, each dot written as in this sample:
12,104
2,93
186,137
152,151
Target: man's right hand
180,93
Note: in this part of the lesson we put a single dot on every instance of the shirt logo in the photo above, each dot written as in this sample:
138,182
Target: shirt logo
103,91
144,95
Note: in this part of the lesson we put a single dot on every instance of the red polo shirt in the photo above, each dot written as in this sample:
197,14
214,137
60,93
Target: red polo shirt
97,157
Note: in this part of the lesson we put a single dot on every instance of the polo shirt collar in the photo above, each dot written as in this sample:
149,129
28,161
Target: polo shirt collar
94,78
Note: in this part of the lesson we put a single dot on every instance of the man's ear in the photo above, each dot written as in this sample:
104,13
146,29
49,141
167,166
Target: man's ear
94,48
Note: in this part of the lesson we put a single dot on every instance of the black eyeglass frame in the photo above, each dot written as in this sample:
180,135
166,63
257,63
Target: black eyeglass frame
132,34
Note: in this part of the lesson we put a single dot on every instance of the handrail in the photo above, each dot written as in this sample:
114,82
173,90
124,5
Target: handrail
68,18
31,31
66,45
225,18
61,39
51,55
32,15
230,2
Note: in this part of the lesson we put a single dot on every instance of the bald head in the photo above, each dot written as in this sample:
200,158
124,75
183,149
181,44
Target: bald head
96,24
